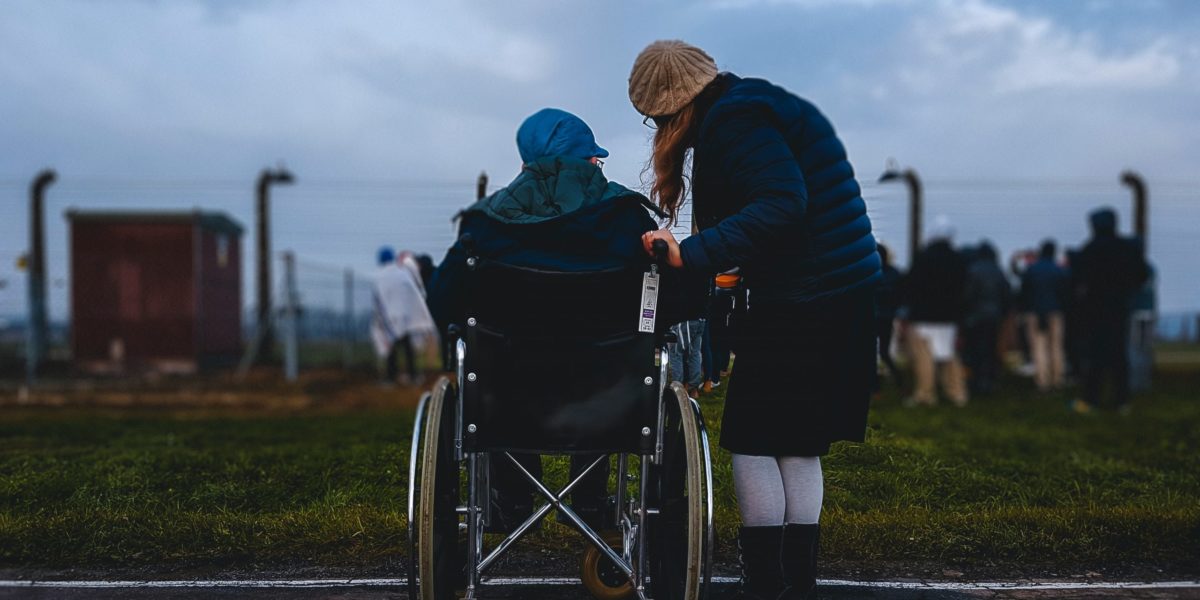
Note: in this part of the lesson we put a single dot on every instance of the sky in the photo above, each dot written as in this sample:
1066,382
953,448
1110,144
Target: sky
1018,115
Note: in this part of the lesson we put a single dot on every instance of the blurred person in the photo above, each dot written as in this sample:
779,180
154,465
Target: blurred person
1074,329
887,305
426,268
559,213
934,290
1141,344
1044,286
401,319
706,356
408,261
1017,263
725,298
687,355
1108,271
773,194
988,296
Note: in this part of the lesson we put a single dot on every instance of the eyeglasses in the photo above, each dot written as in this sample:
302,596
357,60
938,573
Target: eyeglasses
655,122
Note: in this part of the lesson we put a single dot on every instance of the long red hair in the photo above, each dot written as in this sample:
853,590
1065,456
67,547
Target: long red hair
669,158
675,135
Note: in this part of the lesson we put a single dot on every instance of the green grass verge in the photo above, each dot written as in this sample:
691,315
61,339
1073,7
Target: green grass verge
1009,480
104,488
1015,480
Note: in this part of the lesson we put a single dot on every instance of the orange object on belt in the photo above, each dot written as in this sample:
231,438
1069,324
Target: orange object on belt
728,280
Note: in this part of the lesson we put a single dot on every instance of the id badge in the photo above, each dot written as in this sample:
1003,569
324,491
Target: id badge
649,304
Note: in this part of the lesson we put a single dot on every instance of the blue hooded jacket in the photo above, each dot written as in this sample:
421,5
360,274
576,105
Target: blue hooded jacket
559,214
775,195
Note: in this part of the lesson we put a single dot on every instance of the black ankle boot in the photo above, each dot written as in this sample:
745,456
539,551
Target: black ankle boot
799,557
758,553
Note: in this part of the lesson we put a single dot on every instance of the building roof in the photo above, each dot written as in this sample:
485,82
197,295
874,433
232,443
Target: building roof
210,220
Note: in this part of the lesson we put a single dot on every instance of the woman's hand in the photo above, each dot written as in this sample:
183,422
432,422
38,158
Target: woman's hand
674,259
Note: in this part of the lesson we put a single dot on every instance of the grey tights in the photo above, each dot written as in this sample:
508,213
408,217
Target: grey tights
774,490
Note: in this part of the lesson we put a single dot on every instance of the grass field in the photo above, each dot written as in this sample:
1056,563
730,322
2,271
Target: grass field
1009,484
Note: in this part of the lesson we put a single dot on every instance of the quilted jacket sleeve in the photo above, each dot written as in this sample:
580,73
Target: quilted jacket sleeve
753,157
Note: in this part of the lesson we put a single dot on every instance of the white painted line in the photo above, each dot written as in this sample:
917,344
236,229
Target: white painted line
548,581
1014,585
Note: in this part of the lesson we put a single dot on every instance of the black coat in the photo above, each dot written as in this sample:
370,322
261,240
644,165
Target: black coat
988,293
1108,272
934,288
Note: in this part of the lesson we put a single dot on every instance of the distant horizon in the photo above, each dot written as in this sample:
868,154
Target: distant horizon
1013,214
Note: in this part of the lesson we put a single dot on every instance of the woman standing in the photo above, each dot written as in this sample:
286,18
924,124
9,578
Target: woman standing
774,195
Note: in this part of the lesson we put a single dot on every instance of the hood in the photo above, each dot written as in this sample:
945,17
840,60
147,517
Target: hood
551,187
554,132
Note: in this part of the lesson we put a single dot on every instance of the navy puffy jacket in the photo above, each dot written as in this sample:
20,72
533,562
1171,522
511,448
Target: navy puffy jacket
775,195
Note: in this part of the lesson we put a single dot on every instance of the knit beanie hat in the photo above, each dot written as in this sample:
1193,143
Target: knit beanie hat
941,229
667,75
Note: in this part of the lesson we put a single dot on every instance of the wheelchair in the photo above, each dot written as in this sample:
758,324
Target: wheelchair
553,363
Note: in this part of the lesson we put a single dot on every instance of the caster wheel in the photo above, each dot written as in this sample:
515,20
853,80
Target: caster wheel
602,578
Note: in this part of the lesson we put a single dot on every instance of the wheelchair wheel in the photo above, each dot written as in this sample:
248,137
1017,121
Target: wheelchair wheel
601,578
414,474
439,564
679,534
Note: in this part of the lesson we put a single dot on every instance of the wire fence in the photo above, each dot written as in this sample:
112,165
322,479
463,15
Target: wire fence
334,315
335,225
1180,327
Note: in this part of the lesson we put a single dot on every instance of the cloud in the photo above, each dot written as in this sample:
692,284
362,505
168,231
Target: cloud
805,4
1007,52
976,88
236,86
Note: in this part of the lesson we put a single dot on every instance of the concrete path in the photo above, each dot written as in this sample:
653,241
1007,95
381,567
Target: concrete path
393,590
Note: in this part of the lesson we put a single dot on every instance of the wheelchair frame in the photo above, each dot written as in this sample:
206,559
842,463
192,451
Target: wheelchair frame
635,514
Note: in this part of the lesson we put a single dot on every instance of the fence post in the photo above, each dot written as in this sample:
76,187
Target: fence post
348,335
37,275
290,351
481,186
265,339
915,203
1141,222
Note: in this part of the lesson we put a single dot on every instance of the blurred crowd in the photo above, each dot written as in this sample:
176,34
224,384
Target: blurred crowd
1081,317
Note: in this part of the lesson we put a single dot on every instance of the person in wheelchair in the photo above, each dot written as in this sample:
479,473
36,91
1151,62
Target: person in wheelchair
560,213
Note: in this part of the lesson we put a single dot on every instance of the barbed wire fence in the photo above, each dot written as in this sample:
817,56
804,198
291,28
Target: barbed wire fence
321,321
335,314
332,222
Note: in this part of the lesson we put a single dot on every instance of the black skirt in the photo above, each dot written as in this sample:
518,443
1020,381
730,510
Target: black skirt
802,378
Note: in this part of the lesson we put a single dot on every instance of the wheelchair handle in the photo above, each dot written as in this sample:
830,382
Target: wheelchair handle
661,250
